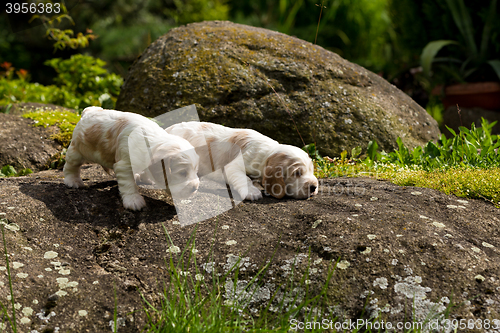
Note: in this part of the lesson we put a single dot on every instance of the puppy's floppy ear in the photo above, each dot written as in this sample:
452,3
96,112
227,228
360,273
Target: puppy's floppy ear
273,179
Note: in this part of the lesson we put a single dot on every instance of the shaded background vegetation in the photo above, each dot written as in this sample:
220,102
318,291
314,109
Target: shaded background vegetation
385,36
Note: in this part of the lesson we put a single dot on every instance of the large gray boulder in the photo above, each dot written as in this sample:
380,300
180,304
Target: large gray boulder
408,255
230,70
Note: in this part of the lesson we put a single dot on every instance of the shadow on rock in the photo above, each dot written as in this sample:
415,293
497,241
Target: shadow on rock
98,204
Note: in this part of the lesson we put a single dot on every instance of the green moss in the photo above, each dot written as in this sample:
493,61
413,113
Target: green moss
65,120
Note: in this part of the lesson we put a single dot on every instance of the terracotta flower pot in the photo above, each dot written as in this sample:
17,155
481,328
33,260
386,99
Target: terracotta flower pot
484,95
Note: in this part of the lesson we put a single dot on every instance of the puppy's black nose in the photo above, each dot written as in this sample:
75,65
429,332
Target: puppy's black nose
312,188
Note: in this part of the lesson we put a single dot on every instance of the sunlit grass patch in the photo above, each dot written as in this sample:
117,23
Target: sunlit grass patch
65,121
467,164
467,183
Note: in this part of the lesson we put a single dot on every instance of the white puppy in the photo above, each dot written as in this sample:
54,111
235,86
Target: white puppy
102,136
281,169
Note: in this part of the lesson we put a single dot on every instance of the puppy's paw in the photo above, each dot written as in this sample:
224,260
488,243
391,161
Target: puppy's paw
134,202
142,179
253,193
73,182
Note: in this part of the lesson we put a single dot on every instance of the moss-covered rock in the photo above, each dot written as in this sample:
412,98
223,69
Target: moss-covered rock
243,76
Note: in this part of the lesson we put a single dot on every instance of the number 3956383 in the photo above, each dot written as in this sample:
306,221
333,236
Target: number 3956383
33,8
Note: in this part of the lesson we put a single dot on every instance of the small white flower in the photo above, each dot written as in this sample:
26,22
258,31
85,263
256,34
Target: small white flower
25,320
318,261
418,279
371,237
3,268
174,249
373,199
381,282
95,282
199,277
22,275
56,245
307,281
394,262
231,242
35,301
225,227
343,264
313,270
445,300
18,306
194,251
64,271
82,313
475,249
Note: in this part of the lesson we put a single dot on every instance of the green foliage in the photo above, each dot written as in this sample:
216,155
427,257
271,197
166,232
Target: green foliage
85,77
9,171
81,81
63,38
193,303
187,11
467,164
472,56
11,319
345,26
474,148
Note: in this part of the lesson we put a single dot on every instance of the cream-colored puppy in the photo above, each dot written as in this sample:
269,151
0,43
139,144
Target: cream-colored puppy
281,169
102,136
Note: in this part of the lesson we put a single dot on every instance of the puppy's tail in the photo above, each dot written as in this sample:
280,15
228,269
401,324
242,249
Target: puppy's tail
92,108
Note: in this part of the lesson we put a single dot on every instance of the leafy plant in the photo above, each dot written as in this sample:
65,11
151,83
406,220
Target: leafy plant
81,81
474,57
475,148
9,171
84,77
10,319
63,38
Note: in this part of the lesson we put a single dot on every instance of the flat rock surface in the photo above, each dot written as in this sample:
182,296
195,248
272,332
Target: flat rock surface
403,250
24,146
